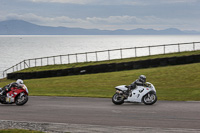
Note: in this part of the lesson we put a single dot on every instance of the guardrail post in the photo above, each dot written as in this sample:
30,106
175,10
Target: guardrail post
149,50
60,59
178,47
121,53
3,74
108,54
194,46
96,56
35,63
86,57
54,60
68,59
164,48
20,65
135,51
29,63
26,64
76,58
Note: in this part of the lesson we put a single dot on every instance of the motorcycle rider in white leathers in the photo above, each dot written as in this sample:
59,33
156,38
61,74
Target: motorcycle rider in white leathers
138,82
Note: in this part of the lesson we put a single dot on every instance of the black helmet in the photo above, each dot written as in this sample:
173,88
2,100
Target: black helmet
142,78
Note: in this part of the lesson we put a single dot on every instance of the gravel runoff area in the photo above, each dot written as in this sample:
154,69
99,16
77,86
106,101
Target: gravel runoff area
85,128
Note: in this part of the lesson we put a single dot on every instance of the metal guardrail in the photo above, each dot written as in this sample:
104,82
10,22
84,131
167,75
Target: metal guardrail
103,55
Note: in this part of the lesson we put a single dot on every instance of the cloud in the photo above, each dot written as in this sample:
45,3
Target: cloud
115,2
126,20
179,1
95,2
82,2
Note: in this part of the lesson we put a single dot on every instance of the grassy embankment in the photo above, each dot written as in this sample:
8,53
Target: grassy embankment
181,82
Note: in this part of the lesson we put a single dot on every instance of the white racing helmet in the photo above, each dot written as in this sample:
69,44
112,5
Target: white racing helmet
19,81
142,78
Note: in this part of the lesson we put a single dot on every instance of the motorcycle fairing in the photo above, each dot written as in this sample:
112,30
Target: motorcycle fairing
10,98
137,94
121,87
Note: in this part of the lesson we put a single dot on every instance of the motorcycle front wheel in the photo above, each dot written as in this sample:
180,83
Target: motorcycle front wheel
117,99
149,98
21,100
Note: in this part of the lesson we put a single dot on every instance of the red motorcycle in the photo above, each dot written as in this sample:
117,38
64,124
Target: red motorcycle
19,96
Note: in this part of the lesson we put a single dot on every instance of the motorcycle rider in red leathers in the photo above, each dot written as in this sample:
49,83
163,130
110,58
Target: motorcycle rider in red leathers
19,84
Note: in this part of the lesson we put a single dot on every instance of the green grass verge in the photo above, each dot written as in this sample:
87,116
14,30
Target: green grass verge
64,66
180,83
18,131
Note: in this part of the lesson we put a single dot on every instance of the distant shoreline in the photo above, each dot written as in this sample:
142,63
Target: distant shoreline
20,27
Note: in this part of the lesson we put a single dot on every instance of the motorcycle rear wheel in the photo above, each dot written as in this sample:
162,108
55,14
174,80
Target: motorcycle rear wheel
117,99
149,99
21,100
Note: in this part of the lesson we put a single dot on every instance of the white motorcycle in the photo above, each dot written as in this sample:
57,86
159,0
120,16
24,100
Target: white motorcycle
145,94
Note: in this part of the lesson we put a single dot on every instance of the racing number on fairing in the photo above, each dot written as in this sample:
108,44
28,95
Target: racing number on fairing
141,90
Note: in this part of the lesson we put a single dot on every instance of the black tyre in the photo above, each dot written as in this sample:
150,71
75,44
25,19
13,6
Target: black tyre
117,99
149,98
21,100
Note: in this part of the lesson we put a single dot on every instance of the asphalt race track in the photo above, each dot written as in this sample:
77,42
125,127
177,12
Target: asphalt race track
102,112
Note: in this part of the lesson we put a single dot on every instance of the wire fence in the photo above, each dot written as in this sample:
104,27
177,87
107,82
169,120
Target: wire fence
104,55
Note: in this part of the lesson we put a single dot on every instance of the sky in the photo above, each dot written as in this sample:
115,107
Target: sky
105,14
